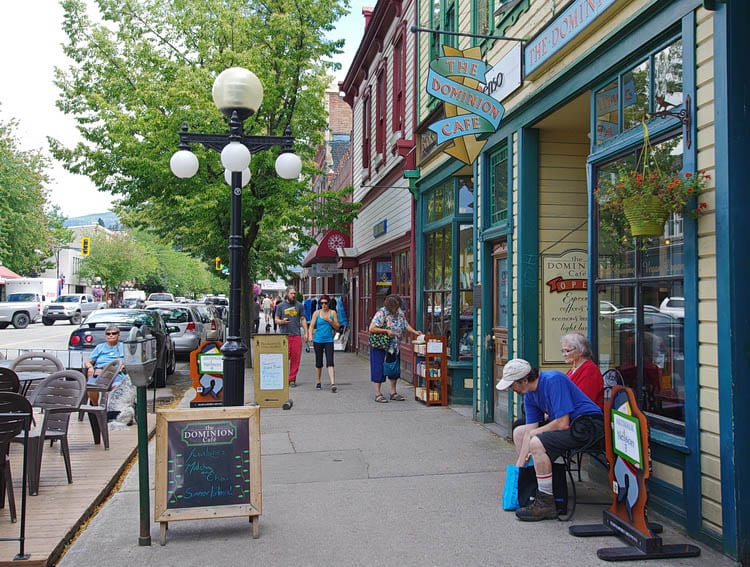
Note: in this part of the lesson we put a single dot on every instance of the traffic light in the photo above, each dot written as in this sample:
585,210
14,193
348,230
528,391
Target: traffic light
218,263
85,245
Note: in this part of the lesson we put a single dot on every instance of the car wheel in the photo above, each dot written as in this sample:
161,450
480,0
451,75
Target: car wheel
21,320
76,319
47,321
172,363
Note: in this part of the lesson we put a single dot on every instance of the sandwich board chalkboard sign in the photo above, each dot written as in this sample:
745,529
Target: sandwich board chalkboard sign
207,465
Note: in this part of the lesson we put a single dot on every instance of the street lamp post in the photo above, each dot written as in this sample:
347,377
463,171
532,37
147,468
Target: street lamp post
238,94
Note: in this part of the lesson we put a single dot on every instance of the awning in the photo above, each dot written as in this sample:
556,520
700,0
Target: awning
325,250
6,274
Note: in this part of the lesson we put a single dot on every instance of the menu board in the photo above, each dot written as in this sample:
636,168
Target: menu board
207,463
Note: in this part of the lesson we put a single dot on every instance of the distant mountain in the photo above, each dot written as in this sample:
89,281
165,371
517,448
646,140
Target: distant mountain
110,220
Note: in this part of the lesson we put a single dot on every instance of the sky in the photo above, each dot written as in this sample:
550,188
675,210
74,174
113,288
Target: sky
31,37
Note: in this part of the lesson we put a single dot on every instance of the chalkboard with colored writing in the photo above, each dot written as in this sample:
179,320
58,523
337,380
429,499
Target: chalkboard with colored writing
207,464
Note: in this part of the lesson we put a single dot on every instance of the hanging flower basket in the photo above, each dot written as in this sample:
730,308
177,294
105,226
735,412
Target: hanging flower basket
645,215
646,195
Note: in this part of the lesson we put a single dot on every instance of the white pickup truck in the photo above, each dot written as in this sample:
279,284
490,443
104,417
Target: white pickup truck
20,309
72,307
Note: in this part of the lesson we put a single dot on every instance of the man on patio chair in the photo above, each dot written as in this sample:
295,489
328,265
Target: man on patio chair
574,421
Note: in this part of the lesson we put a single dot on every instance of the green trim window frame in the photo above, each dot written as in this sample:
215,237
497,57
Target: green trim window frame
498,185
652,84
635,278
448,264
443,17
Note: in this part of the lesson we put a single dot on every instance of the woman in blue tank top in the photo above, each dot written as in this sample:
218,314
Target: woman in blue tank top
321,330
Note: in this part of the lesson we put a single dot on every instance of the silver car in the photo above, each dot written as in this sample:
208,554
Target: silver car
212,320
188,319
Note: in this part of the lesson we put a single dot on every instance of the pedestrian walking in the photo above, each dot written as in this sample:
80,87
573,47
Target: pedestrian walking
267,308
256,315
323,326
388,320
291,320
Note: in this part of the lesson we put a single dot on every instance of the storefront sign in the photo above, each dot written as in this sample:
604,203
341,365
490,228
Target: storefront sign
455,79
383,273
571,22
379,229
565,301
324,270
504,77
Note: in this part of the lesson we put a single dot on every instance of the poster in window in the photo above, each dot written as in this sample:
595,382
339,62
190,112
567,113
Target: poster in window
564,300
383,272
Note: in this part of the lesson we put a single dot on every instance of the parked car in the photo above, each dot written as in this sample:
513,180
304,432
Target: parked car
192,331
91,333
20,309
212,320
221,304
160,297
674,306
71,307
133,303
608,307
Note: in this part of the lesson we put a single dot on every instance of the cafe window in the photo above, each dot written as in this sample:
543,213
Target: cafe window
448,271
482,18
498,185
653,84
402,279
366,310
640,291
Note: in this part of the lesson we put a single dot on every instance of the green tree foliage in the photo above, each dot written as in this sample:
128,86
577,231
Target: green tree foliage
150,65
116,258
23,223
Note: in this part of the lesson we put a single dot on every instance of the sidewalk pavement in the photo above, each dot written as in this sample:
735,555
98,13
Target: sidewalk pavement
347,481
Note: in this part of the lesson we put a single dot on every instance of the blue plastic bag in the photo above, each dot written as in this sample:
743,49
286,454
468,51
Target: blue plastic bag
510,490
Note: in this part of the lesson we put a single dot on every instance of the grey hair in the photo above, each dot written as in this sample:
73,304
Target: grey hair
578,342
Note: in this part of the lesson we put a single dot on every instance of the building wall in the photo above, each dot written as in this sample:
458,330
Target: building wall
710,434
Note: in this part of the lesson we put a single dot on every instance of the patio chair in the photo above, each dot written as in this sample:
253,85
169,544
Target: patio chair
58,395
10,427
103,385
9,381
35,362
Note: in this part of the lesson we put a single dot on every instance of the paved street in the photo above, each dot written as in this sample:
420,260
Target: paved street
347,481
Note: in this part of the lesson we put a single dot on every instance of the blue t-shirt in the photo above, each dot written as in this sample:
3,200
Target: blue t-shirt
556,395
103,354
323,332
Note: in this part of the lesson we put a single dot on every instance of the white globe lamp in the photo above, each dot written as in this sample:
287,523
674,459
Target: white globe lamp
288,165
184,164
237,90
235,156
245,176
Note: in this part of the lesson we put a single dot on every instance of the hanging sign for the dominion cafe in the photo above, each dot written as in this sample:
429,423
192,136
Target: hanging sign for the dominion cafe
460,80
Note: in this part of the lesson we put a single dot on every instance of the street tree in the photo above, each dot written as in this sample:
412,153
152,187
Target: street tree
24,231
148,65
115,259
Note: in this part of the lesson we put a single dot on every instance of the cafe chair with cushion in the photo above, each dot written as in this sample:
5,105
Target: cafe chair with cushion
9,381
10,427
58,395
103,385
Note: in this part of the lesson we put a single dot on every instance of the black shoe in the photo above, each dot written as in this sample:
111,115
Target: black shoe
333,388
318,386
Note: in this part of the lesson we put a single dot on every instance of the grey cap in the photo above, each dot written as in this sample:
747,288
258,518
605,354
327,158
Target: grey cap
515,369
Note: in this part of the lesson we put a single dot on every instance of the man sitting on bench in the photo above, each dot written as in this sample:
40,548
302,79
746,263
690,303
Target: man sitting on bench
574,422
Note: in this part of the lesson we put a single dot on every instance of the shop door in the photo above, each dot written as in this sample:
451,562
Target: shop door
500,276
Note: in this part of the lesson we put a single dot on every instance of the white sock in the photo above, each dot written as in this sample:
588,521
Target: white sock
544,483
